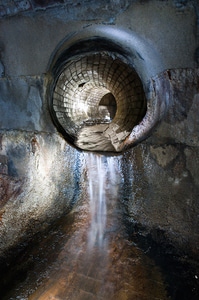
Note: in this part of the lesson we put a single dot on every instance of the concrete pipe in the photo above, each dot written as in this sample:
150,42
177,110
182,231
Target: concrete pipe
104,93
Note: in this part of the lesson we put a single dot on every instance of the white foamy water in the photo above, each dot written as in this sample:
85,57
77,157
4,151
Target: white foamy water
102,177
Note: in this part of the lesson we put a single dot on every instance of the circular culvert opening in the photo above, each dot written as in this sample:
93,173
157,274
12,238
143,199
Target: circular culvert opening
97,100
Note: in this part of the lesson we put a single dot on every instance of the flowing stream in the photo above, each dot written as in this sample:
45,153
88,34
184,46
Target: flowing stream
97,195
87,254
102,181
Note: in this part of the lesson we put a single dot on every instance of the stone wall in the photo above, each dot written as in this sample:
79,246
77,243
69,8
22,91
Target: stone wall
40,173
39,182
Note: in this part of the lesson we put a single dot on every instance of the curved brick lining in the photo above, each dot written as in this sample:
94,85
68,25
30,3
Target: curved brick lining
80,88
96,62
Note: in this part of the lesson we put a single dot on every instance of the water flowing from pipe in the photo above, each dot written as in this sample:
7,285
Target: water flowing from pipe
96,191
101,171
94,258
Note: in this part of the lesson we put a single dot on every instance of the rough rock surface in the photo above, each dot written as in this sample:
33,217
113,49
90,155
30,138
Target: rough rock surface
160,194
40,177
41,184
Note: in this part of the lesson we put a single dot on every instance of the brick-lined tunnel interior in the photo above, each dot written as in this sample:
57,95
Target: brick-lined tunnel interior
97,100
107,75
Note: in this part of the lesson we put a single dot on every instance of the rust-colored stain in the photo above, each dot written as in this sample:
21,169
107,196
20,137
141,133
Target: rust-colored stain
34,144
9,188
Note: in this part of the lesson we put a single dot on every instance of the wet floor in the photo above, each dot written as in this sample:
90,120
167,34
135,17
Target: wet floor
87,255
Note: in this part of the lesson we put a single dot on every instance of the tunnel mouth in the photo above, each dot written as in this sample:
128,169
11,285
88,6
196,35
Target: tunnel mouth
97,100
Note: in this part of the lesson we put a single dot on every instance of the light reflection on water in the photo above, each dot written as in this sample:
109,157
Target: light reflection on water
94,258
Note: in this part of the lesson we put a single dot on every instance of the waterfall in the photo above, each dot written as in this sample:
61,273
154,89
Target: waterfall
96,191
101,180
